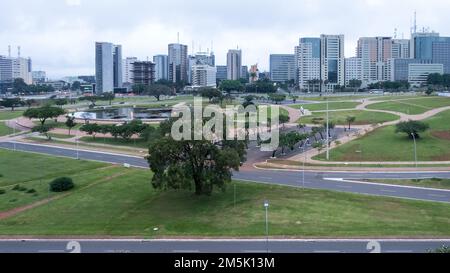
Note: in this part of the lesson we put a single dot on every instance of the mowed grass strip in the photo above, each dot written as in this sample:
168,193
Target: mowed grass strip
384,144
123,203
19,167
339,117
7,115
5,130
323,106
412,106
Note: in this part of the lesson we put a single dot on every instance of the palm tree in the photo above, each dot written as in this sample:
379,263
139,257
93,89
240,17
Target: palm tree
350,120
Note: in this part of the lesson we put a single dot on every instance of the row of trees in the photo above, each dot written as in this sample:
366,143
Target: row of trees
20,87
394,86
438,80
126,130
154,90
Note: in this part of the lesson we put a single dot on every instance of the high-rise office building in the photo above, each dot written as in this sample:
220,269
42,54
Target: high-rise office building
108,67
399,68
244,73
203,75
6,69
161,67
307,61
282,67
222,73
178,63
400,49
374,52
143,73
353,69
127,69
234,64
430,46
332,61
22,69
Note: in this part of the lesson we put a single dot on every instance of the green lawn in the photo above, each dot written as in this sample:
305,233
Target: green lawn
339,117
135,143
331,105
7,115
412,106
337,98
5,130
121,202
427,183
385,145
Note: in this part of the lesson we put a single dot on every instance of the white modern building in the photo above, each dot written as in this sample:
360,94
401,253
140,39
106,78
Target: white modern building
400,48
234,64
418,73
21,68
203,76
127,69
307,60
332,61
353,69
6,73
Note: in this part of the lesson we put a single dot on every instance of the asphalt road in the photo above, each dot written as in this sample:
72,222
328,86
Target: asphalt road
220,246
313,179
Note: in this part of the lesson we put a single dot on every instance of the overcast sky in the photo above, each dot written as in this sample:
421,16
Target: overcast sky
59,35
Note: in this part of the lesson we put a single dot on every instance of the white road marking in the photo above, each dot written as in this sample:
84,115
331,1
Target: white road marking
390,191
436,195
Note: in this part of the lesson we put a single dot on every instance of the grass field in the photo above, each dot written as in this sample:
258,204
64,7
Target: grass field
5,130
362,117
121,202
385,145
135,143
59,125
323,106
337,98
7,115
412,106
427,183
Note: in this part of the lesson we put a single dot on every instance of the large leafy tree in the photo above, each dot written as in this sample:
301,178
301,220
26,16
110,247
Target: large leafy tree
158,90
411,128
210,93
201,164
230,85
12,103
70,122
43,113
277,98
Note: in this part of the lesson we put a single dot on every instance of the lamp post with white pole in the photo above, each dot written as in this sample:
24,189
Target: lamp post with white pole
304,161
328,132
266,206
415,154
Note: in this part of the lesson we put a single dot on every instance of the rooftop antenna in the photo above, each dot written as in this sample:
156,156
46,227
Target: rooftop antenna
395,33
178,37
193,46
18,51
415,21
9,51
212,46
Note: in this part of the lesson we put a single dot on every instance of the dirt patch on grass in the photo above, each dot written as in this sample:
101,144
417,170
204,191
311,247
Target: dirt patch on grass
441,134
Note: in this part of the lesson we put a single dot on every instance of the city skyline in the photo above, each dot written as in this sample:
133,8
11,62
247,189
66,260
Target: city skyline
73,25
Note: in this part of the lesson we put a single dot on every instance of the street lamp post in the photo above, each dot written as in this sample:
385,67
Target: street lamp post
266,206
14,134
328,132
304,161
415,149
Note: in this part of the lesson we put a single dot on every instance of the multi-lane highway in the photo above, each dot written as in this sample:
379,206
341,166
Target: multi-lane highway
337,181
220,246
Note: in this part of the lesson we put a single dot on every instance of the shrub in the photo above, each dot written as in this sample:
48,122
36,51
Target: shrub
19,188
61,184
2,191
31,191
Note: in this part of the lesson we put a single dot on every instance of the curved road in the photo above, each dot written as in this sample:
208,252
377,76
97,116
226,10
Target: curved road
336,181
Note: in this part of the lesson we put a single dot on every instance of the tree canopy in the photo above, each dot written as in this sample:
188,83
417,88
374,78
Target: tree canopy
230,85
12,103
158,90
200,164
43,113
411,128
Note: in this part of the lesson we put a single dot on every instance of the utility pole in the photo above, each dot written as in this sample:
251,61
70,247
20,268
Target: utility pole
328,132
